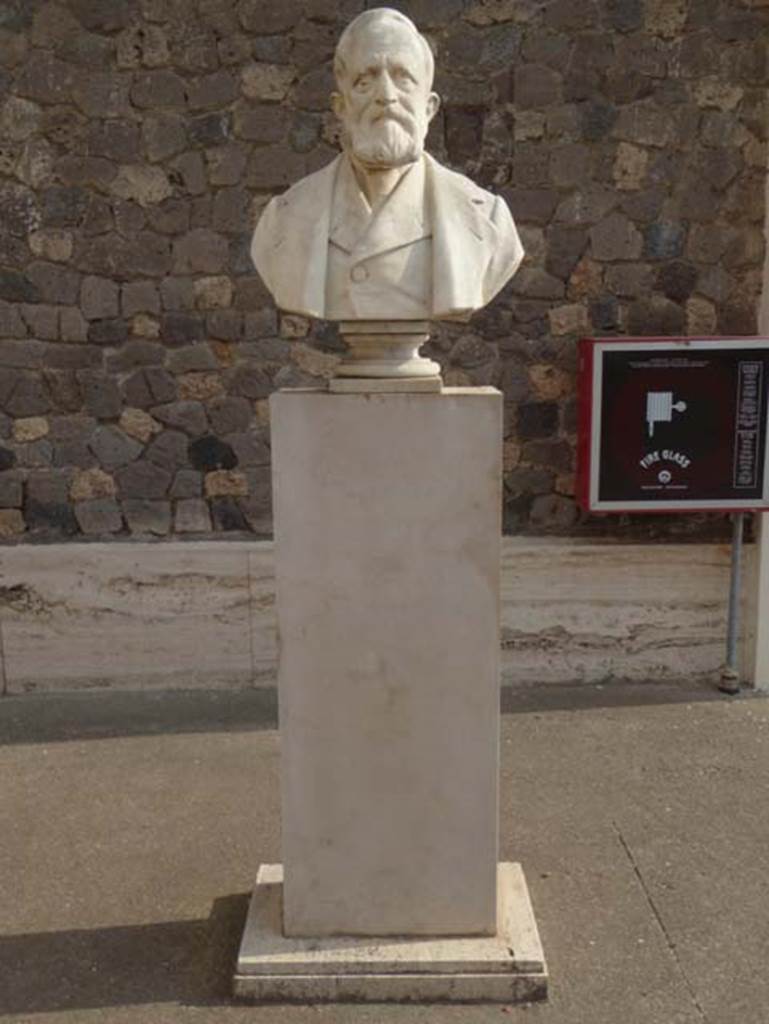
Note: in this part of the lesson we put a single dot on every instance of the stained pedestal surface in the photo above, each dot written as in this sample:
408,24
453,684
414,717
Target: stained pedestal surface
387,562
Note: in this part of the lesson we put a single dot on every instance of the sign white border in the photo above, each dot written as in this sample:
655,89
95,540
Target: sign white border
673,505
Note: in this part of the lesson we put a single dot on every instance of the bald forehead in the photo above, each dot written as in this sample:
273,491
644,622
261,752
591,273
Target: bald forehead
378,40
378,43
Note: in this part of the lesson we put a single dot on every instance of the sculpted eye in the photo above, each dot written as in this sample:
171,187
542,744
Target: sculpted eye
362,82
402,76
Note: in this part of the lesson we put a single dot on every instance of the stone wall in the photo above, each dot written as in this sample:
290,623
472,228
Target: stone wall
140,138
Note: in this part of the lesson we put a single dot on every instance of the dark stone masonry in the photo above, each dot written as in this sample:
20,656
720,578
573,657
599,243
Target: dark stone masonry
139,139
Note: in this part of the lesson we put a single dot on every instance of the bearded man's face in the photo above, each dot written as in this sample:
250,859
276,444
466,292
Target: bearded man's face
385,105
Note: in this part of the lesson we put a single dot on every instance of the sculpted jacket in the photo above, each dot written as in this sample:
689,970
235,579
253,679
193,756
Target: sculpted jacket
475,248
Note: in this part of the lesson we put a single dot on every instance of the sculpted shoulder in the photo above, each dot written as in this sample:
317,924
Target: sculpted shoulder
460,185
303,197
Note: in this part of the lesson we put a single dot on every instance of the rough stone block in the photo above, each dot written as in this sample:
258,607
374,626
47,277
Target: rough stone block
143,183
73,326
100,395
89,484
53,283
112,332
30,397
113,448
550,383
11,522
42,321
536,86
143,479
182,328
103,93
191,169
664,240
200,251
227,324
64,389
226,164
168,449
230,415
64,207
262,81
46,79
98,517
656,315
263,123
142,45
210,129
224,482
571,319
228,516
52,244
137,352
213,292
11,490
139,424
99,298
537,419
150,386
17,287
250,449
139,297
31,428
191,358
147,516
192,516
187,416
210,453
211,92
616,238
27,354
8,458
274,167
157,90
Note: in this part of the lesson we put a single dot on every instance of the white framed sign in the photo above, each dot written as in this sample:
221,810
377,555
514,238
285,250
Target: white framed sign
673,424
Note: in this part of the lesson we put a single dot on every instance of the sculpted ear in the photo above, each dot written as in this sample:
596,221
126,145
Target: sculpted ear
337,104
433,103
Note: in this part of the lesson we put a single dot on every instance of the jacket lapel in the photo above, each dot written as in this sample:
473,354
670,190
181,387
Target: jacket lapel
461,241
301,246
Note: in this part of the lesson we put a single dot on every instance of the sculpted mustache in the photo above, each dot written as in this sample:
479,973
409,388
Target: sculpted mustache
388,115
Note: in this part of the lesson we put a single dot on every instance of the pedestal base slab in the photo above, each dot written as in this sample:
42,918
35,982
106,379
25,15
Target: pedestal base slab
508,967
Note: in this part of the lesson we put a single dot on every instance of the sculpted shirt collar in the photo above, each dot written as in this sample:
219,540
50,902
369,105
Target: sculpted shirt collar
401,218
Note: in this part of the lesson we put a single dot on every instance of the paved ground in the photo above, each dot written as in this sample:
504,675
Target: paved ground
131,826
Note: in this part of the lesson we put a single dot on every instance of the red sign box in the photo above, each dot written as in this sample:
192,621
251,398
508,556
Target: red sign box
673,424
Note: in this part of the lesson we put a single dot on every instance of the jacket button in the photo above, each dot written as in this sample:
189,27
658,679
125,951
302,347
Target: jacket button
359,273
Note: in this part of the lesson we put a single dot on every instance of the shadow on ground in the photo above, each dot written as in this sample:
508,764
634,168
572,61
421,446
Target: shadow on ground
188,962
61,717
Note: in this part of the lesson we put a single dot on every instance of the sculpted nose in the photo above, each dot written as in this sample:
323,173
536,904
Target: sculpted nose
386,93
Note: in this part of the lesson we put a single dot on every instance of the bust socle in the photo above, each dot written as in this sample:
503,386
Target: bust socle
384,232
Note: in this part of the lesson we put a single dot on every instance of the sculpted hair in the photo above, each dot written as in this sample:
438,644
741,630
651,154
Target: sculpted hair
362,22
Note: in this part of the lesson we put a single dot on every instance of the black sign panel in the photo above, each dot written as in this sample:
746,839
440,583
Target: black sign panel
673,424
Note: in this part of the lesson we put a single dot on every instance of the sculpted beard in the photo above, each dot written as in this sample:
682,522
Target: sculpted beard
389,141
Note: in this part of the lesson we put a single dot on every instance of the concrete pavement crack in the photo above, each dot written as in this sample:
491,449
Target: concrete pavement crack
661,924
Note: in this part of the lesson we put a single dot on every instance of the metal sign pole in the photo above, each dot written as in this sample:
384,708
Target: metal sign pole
730,674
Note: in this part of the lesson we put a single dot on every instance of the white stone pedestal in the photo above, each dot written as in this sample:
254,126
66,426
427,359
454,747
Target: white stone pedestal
387,552
507,967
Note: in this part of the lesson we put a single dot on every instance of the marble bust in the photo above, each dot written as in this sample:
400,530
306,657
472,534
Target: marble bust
384,232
